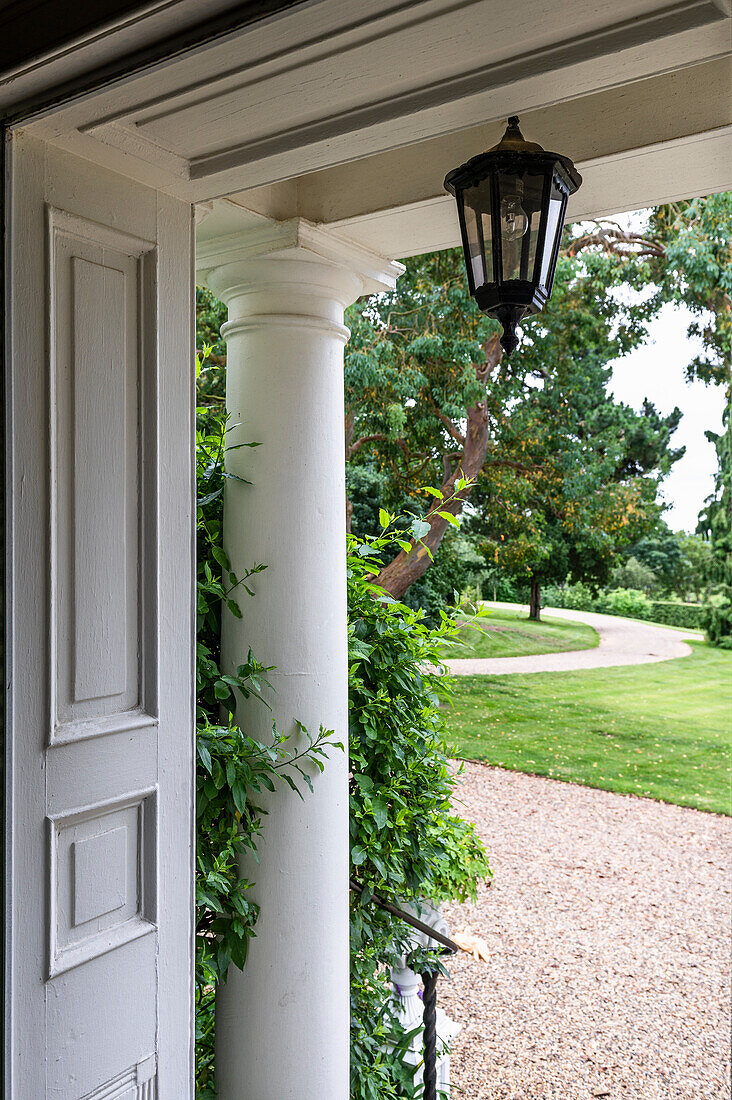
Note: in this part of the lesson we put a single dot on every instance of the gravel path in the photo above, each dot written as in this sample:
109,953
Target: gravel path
608,925
622,642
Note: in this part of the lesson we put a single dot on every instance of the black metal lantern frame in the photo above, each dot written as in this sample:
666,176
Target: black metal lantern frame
512,202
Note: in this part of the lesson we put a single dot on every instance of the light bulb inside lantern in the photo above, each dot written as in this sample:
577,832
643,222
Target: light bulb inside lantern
514,221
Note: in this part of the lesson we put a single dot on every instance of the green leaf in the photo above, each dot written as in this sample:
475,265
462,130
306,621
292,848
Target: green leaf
239,794
380,811
450,518
203,754
221,557
419,528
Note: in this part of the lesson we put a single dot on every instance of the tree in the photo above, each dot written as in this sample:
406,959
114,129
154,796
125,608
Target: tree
417,404
695,573
695,268
575,502
681,563
635,575
661,552
430,398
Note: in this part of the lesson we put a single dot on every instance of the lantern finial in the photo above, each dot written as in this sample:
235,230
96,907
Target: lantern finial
509,317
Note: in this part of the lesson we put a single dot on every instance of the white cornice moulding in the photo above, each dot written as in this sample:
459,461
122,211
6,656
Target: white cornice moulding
260,107
378,273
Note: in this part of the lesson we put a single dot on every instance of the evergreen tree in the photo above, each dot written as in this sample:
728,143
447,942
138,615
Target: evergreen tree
715,524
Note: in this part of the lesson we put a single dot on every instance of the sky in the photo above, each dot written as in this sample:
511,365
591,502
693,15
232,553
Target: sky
656,371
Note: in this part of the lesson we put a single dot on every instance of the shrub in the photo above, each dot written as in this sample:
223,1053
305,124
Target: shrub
625,601
634,574
438,588
688,615
577,597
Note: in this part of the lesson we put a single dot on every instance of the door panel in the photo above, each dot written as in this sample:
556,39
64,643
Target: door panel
100,739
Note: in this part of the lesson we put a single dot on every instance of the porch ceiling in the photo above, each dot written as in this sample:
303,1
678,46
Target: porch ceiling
349,114
651,141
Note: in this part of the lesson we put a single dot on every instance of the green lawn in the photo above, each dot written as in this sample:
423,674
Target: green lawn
508,633
660,730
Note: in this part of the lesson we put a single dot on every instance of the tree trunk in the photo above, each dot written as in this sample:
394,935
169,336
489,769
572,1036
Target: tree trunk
407,567
535,601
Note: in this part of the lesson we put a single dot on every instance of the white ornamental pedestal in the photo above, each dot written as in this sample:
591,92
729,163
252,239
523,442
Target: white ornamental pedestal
408,1004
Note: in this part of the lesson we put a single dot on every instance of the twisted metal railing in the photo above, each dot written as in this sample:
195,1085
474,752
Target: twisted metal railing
429,981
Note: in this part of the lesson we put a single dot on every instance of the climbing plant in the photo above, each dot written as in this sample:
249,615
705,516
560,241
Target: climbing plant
407,843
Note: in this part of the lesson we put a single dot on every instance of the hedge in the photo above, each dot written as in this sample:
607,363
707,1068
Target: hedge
677,614
628,602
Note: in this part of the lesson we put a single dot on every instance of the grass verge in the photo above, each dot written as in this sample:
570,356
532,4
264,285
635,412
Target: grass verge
509,633
658,730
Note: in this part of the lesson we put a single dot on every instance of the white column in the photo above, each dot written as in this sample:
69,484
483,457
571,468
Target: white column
282,1024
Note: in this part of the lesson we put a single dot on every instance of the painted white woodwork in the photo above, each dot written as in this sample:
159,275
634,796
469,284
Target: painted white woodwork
675,106
100,604
99,278
329,83
631,180
652,141
107,43
282,1023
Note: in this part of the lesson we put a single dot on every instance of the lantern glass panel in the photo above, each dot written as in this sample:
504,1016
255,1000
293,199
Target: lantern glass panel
555,220
478,226
520,196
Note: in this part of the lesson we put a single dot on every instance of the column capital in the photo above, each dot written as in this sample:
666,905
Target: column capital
224,260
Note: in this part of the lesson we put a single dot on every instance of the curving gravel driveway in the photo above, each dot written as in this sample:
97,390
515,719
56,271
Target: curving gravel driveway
622,642
608,928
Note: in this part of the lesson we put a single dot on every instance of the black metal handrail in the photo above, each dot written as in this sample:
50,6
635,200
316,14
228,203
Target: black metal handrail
429,993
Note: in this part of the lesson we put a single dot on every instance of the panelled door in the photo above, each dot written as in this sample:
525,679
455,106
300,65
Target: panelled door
99,817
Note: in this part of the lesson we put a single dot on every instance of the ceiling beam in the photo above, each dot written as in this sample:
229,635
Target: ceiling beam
674,106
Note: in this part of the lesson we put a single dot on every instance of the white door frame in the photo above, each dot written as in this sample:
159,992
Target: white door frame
101,626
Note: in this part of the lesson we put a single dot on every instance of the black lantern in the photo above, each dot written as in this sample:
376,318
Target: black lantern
511,203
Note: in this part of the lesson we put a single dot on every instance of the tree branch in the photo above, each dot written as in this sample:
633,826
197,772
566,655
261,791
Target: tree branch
452,430
406,568
616,241
354,447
